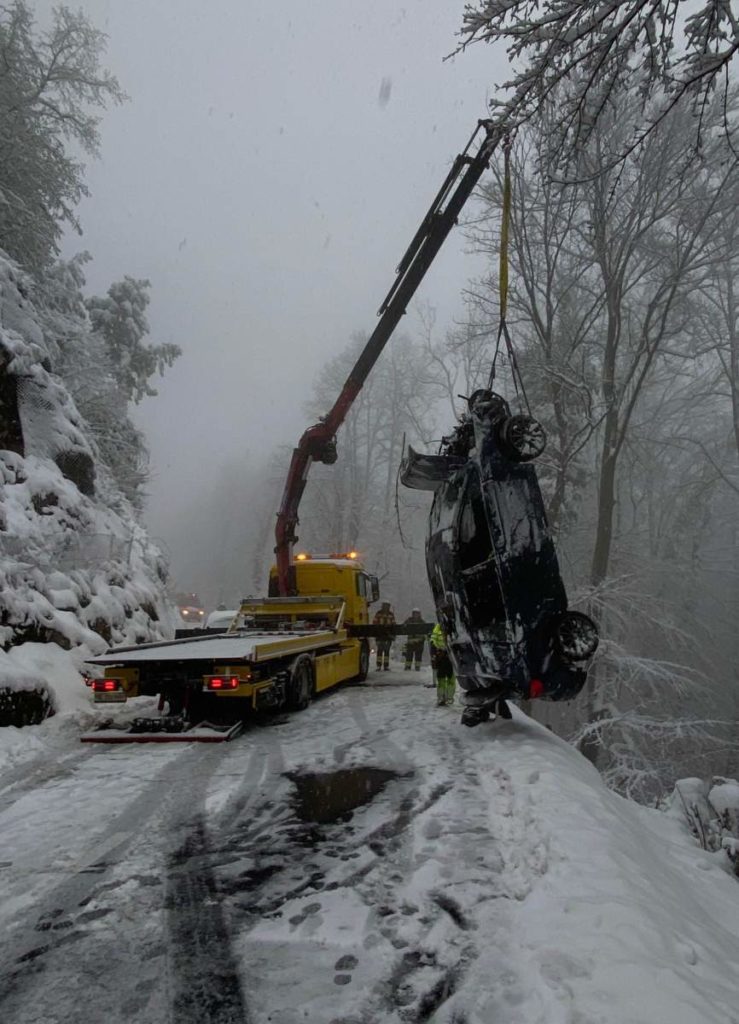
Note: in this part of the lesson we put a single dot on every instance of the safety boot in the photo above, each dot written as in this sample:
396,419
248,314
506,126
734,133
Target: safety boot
502,710
474,715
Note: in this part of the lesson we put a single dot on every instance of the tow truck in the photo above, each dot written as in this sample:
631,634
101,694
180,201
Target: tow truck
312,631
278,653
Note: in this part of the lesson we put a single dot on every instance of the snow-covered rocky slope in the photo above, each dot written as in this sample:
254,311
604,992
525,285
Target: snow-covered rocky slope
76,569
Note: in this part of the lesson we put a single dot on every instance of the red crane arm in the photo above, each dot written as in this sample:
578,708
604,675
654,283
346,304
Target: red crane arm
318,443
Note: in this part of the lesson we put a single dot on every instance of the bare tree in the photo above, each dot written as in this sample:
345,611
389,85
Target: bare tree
651,230
555,307
352,503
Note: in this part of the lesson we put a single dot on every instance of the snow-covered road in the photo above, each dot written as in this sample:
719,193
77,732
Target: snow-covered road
487,876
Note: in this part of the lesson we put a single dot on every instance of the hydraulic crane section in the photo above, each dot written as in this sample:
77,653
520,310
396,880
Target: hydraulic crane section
318,443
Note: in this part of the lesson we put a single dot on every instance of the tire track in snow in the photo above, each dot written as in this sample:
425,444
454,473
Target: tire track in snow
203,973
112,975
204,979
22,780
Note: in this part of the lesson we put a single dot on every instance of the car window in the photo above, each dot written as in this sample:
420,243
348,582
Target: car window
473,536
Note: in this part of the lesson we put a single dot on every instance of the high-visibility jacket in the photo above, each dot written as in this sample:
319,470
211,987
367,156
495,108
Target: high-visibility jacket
384,618
437,638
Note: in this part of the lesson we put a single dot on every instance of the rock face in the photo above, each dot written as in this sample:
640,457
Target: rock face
76,568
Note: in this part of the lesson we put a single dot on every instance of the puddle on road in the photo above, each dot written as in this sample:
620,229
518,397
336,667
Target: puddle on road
327,796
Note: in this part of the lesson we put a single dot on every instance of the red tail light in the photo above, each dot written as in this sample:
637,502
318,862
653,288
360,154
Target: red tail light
105,685
536,689
222,682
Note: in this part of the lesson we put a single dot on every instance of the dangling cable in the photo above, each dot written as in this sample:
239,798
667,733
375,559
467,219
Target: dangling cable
503,261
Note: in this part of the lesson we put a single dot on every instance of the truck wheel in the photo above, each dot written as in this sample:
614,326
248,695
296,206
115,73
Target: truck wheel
300,689
364,662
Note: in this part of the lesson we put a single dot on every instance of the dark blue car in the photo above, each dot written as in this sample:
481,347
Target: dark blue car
492,566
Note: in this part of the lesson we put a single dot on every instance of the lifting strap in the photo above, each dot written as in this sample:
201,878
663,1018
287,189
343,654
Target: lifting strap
503,282
504,229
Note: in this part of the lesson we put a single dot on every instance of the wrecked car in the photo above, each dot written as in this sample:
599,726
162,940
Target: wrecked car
492,565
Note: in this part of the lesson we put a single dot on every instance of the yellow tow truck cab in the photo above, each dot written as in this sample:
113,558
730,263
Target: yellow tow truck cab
343,575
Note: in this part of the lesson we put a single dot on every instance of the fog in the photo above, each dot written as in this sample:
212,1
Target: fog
266,175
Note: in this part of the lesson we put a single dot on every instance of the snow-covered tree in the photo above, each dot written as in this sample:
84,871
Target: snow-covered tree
51,82
91,370
669,53
120,320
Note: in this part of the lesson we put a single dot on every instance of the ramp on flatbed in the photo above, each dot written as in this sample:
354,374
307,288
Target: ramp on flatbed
203,733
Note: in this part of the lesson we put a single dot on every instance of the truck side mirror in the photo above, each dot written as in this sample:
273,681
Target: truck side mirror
375,584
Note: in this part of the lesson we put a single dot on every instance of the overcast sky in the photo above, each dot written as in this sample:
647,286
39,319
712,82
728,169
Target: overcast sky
267,174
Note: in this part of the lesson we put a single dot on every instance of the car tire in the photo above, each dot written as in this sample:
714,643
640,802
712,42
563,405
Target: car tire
575,636
300,690
522,438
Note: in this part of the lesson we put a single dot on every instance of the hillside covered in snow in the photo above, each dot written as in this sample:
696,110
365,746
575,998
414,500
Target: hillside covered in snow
77,570
76,567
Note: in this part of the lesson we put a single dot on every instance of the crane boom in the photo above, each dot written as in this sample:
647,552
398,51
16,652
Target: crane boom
318,443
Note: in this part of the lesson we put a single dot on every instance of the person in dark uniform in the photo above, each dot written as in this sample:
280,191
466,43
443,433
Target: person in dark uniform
384,617
414,644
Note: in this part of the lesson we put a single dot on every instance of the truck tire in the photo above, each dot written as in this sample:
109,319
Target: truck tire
364,663
300,687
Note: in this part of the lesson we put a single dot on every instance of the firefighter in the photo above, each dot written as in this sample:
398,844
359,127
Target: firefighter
445,681
384,617
414,643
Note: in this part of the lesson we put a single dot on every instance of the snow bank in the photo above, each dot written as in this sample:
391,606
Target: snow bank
59,673
625,919
47,666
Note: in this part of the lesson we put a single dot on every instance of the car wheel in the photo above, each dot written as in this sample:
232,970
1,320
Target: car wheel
301,687
522,438
575,636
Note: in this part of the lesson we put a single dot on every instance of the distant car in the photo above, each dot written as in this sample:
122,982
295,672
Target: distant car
492,566
221,618
191,609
